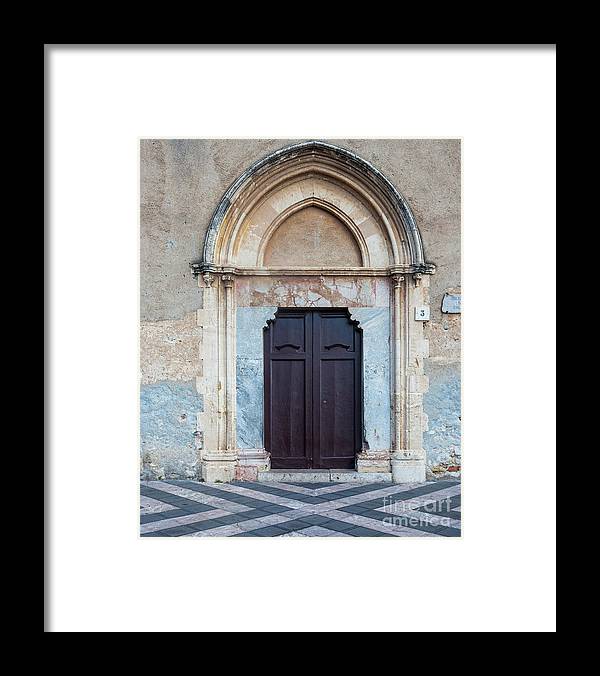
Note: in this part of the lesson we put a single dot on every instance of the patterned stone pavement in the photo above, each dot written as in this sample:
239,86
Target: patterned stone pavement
174,508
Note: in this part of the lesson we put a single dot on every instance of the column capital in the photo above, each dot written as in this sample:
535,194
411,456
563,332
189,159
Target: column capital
227,281
397,280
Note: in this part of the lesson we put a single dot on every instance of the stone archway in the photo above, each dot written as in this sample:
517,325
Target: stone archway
312,225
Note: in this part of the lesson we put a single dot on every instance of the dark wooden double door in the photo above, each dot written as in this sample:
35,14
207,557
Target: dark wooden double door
313,389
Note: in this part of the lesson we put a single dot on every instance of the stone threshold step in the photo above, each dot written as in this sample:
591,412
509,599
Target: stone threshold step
319,475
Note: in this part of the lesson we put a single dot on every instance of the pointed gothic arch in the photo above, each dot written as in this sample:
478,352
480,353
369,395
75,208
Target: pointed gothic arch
334,176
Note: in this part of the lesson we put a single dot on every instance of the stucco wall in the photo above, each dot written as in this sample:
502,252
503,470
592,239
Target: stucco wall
181,183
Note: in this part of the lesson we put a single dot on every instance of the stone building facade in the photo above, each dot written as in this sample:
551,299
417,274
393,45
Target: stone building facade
235,233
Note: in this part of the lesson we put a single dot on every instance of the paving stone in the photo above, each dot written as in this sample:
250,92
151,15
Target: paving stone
295,524
359,531
170,514
355,509
176,532
293,534
340,526
269,531
221,531
227,520
255,514
176,508
207,525
315,520
317,531
313,486
275,509
448,532
311,499
271,520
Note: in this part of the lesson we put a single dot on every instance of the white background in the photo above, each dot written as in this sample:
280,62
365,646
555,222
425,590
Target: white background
500,575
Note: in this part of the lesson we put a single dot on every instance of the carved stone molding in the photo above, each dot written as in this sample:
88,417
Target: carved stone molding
397,281
203,269
314,156
272,313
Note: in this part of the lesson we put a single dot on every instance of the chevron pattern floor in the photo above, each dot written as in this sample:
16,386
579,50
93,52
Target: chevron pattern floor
177,508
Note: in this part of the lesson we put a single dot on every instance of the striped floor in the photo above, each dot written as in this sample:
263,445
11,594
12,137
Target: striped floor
177,508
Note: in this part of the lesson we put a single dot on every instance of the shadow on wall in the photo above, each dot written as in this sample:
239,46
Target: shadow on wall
168,421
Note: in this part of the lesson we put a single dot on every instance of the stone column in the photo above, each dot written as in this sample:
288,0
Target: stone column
216,424
408,458
229,364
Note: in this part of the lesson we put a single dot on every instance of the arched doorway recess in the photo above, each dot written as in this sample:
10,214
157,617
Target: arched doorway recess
312,226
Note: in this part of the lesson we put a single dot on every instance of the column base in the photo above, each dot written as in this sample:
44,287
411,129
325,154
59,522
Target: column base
408,470
218,467
251,461
373,461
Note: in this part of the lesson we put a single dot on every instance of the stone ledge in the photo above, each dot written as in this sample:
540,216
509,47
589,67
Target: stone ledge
319,475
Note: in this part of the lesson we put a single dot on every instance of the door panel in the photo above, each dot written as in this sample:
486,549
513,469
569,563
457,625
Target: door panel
313,389
288,390
289,334
288,386
336,412
336,333
337,388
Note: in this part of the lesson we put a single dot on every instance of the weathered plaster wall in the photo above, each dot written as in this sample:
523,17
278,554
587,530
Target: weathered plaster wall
442,403
249,374
313,292
168,421
375,323
442,406
181,183
311,237
170,364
